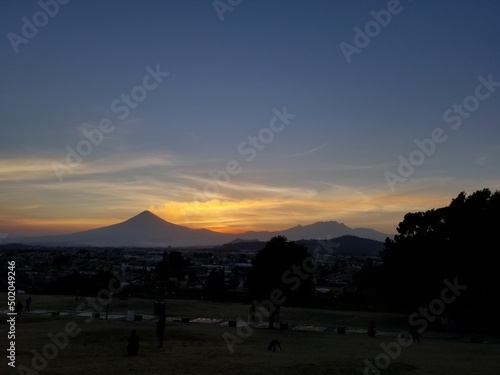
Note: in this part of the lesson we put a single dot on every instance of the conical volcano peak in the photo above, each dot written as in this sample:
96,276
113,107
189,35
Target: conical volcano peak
146,213
146,217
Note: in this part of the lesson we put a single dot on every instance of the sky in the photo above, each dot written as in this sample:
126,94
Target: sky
244,115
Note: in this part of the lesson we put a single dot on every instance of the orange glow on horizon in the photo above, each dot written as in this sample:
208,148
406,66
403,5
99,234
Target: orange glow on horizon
382,213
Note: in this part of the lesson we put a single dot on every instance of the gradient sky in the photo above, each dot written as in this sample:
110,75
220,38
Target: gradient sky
353,120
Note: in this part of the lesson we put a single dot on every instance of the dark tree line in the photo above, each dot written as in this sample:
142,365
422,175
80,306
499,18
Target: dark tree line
460,241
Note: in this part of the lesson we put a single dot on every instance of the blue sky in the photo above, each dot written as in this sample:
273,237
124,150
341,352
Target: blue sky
329,162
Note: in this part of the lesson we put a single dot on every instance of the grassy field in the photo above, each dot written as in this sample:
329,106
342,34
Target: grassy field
197,309
201,349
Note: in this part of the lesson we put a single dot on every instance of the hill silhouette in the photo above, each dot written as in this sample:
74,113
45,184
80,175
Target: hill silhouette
148,230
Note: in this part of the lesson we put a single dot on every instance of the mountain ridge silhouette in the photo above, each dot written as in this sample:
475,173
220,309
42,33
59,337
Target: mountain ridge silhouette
149,230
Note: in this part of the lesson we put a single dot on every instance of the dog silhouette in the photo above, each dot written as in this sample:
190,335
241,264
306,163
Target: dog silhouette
273,344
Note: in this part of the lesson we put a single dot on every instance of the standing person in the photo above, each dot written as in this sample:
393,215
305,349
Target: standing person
160,329
371,329
28,303
19,307
415,335
251,315
133,343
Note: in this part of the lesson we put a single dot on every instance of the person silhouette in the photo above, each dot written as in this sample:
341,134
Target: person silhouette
19,307
133,343
160,329
371,329
415,335
28,303
251,315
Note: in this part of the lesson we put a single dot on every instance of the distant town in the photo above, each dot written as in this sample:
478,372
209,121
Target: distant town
66,270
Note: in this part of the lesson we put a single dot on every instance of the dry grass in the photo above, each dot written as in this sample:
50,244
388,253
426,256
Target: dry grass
200,349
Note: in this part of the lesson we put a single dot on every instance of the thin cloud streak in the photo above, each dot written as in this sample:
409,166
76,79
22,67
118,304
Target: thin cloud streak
312,151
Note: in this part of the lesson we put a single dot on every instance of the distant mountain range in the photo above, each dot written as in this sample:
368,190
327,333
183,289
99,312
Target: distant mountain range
149,230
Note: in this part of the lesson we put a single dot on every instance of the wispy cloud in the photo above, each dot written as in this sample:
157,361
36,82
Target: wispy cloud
482,161
311,151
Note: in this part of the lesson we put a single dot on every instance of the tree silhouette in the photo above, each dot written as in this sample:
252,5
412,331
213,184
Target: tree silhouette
457,241
215,279
192,277
279,267
171,266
